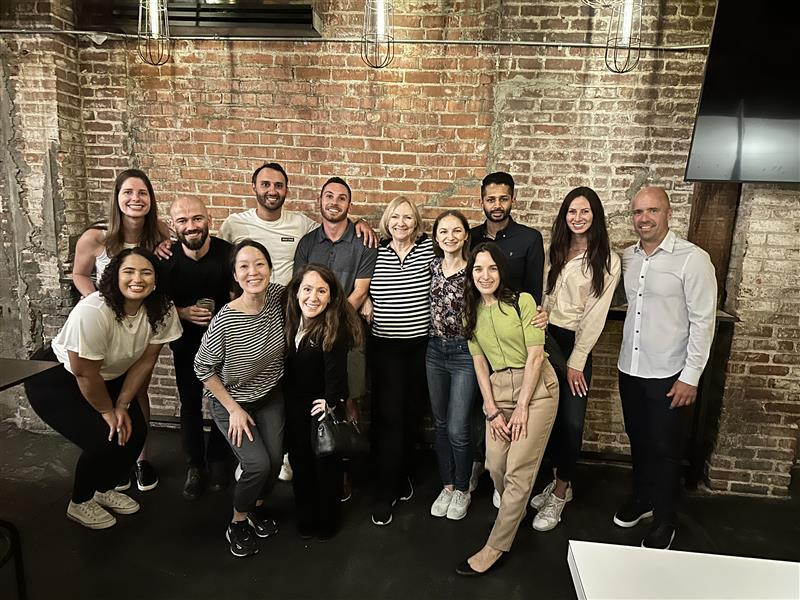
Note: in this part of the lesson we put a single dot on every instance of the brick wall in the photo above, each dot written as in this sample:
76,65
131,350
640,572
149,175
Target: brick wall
430,127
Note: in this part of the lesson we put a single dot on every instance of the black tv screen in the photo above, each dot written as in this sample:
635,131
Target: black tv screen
748,119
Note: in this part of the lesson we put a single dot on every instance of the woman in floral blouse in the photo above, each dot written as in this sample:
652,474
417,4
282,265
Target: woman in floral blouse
451,376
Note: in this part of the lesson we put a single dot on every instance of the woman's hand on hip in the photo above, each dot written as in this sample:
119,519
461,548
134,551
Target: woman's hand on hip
240,421
518,423
319,407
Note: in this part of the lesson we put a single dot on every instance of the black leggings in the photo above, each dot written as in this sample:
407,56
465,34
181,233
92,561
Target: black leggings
55,396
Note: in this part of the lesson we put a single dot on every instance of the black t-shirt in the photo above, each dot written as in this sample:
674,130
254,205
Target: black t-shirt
188,280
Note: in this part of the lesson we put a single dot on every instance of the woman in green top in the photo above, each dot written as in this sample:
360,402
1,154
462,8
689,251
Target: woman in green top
520,397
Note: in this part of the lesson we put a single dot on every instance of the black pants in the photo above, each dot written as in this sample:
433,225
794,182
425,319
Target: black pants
656,435
399,391
564,446
55,396
190,393
317,482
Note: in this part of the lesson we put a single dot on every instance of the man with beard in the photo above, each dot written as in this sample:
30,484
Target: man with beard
198,268
672,299
277,229
521,244
335,246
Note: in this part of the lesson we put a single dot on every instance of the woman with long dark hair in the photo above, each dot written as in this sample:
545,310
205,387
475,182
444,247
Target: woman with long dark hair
240,362
580,284
520,397
132,221
107,349
321,327
451,376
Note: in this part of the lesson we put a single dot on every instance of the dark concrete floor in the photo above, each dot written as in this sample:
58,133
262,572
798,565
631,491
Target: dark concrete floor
176,549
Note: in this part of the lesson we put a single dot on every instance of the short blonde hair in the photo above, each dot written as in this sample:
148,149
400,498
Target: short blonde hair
383,226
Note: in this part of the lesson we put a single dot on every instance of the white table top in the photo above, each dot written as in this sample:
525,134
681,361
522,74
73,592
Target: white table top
609,571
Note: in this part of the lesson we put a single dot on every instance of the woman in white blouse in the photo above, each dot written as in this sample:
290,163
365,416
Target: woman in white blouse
580,284
107,350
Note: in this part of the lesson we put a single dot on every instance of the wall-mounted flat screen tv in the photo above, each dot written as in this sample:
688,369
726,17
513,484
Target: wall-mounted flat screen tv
748,118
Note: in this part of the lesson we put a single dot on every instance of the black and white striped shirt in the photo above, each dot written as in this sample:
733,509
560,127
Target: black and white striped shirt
245,351
399,291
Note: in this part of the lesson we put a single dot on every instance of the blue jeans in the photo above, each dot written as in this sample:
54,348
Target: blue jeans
452,386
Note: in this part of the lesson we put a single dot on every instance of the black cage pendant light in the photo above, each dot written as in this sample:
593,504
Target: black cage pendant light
624,41
377,35
153,32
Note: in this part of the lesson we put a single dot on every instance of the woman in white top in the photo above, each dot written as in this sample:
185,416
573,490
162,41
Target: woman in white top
132,221
580,284
107,349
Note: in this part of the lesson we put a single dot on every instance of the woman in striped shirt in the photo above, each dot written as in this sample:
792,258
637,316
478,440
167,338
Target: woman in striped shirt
399,310
240,361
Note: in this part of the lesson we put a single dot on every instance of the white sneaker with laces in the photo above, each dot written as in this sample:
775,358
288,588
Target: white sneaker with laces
477,470
286,469
90,514
496,499
120,503
459,505
442,503
539,500
550,514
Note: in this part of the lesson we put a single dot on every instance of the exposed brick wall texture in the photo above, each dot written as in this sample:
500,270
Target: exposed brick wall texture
430,127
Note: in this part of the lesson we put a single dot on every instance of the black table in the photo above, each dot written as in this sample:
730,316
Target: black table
14,371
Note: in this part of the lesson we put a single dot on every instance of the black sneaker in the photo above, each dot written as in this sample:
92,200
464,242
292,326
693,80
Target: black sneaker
146,477
632,512
219,475
382,513
660,537
242,539
262,524
405,491
124,483
193,486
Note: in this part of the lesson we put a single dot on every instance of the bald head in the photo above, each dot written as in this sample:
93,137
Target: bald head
656,194
190,222
650,212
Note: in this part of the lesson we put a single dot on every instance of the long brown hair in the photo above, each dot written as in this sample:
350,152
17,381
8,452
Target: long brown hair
115,237
339,318
598,251
472,297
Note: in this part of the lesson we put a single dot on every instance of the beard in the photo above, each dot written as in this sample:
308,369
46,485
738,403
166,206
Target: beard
194,244
269,203
334,218
496,219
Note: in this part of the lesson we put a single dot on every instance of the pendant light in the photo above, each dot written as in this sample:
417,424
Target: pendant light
601,3
624,41
153,32
377,35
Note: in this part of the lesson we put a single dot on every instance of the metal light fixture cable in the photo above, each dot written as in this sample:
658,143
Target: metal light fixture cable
377,35
153,32
624,41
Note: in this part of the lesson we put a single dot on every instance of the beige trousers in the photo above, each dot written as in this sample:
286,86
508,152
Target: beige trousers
514,465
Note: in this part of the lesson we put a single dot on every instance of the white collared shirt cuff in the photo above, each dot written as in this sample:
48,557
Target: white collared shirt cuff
577,360
690,375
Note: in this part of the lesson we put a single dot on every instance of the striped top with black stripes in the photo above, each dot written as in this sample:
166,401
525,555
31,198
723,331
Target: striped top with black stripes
399,291
245,351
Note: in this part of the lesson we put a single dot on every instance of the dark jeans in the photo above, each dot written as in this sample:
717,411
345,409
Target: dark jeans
656,435
260,459
452,386
565,442
399,390
190,393
55,396
317,482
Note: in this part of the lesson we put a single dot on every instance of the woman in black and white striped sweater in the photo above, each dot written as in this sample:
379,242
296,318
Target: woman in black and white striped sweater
240,361
399,309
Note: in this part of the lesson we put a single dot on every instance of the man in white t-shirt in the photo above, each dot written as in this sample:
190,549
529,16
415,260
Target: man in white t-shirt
277,229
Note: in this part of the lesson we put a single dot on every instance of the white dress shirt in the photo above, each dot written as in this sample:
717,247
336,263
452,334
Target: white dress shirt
672,297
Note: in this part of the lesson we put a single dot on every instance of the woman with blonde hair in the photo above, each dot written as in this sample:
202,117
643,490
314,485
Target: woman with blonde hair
398,309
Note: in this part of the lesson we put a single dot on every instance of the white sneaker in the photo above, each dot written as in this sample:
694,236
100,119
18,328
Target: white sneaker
286,469
477,470
90,514
442,503
119,503
538,501
550,514
237,474
459,505
496,499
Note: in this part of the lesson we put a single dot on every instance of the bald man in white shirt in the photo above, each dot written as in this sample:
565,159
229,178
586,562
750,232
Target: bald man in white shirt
672,294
